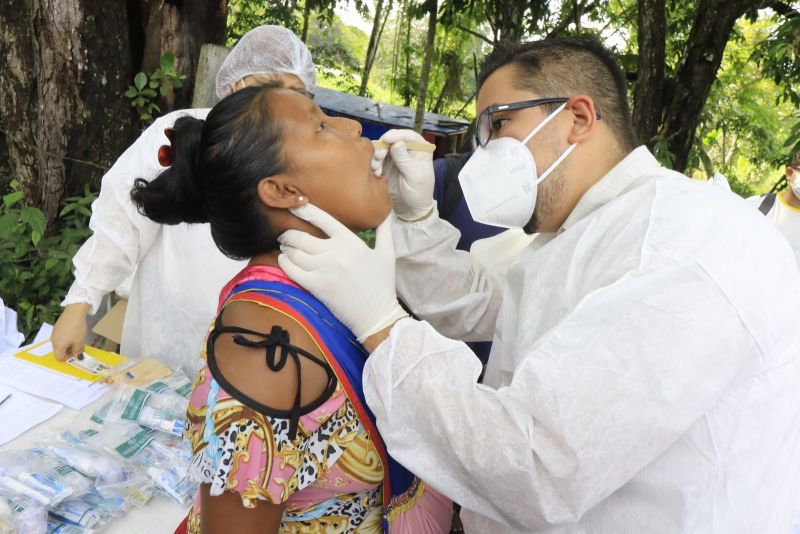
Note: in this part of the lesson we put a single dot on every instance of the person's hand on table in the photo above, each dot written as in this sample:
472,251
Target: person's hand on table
69,332
355,282
410,174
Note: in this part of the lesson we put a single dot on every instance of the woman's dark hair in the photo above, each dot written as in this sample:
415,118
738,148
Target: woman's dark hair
216,167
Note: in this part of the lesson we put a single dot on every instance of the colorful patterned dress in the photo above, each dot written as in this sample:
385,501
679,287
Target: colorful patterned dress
324,461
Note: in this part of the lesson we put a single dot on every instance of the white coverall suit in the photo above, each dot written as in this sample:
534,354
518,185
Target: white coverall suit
179,271
644,373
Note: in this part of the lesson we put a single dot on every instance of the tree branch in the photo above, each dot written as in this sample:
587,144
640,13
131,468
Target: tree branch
90,163
779,7
474,33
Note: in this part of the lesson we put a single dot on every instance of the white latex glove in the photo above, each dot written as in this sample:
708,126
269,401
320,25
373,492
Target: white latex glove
410,174
355,282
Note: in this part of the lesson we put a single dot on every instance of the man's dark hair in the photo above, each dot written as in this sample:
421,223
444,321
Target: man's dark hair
567,67
796,161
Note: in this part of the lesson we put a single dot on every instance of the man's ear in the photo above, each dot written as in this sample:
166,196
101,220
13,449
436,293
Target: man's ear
584,118
279,192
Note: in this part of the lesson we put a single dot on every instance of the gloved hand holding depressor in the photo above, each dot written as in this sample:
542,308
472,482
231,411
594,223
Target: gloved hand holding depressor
410,174
355,282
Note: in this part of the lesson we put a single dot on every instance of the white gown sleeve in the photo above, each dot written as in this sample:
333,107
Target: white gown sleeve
442,285
591,403
121,236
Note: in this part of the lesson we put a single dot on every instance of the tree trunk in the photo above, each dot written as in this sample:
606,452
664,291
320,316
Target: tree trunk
426,66
372,46
179,27
306,18
648,95
702,56
507,18
407,52
62,115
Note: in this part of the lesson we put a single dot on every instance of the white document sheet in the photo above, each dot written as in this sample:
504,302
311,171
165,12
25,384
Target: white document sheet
21,412
71,392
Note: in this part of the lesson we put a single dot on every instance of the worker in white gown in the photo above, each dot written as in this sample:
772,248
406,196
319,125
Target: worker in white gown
178,271
644,371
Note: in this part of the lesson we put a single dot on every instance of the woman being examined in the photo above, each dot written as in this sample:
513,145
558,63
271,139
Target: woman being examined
282,438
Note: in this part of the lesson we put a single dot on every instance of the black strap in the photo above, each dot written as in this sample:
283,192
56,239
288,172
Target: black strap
275,360
452,187
767,203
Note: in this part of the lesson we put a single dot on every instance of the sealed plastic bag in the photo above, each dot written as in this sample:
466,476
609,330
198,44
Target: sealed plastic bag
164,411
164,457
40,478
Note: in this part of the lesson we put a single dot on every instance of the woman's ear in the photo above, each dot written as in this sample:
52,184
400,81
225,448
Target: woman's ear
278,192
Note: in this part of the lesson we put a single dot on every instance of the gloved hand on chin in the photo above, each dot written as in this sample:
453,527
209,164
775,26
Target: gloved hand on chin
410,174
355,282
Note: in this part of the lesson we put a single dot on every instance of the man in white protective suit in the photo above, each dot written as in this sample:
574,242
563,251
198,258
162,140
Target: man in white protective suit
178,269
644,371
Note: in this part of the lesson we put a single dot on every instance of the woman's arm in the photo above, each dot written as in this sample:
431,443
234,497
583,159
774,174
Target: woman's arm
224,514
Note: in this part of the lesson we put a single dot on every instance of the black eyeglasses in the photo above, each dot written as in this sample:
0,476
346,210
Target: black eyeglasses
484,128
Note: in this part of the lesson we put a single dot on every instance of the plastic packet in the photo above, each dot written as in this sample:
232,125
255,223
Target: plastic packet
94,510
39,478
78,512
101,414
164,457
107,471
165,411
27,517
176,485
177,383
55,526
7,525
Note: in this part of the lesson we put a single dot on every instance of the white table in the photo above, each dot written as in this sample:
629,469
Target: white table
161,515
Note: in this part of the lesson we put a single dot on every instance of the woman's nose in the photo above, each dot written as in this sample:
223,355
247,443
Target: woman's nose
349,125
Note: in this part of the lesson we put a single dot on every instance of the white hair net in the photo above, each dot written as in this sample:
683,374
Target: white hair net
266,49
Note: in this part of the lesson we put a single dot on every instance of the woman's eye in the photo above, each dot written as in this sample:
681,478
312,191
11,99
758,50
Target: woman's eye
321,126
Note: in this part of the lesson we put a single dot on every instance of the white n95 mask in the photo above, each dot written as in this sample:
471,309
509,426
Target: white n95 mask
500,180
794,184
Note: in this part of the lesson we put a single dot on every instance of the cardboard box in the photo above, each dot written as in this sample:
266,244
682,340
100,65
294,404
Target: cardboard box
110,325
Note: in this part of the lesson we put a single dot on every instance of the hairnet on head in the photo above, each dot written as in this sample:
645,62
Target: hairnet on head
266,49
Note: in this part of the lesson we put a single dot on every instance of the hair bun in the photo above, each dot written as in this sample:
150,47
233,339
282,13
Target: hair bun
176,194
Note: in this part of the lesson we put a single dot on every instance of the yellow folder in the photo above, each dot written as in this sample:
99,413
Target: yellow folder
93,365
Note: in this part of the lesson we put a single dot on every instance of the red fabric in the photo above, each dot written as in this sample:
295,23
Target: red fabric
183,528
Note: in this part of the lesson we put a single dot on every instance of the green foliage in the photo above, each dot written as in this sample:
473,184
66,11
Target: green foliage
143,93
743,128
36,270
244,15
337,50
779,58
368,236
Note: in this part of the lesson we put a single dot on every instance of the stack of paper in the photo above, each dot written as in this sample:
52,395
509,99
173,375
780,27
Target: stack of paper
20,412
32,369
71,392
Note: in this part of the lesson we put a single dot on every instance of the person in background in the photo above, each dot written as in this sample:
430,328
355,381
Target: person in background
645,365
177,271
281,435
785,213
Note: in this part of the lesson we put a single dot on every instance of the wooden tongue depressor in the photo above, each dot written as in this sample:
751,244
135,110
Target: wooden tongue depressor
410,145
